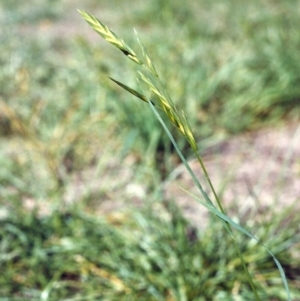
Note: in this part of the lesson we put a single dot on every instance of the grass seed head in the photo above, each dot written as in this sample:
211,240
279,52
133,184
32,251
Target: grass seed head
110,36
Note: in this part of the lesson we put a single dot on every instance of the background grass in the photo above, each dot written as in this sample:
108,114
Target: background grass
61,119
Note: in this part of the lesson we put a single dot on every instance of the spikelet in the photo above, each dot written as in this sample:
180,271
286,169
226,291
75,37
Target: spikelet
165,103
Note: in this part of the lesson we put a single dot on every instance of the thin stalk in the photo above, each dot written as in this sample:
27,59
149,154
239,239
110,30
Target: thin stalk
225,223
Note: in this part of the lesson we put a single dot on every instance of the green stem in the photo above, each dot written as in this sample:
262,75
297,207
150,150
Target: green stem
226,225
209,181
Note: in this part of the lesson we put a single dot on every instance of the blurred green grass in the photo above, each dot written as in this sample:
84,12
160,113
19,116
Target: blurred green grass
154,256
59,115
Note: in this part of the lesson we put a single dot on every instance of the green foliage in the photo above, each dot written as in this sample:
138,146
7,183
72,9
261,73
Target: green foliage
153,256
59,116
15,11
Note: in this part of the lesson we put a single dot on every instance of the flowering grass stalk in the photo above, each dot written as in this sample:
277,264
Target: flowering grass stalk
151,80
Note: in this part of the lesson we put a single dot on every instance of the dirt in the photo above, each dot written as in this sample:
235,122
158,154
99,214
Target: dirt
255,175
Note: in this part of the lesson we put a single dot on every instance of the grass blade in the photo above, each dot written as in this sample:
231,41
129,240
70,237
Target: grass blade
228,220
130,90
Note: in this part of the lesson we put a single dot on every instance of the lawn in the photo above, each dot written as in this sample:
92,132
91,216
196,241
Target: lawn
84,163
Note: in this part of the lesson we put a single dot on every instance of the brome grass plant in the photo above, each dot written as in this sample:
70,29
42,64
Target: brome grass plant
153,83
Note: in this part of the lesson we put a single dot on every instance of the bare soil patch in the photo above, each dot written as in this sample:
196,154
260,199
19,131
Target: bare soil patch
255,175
